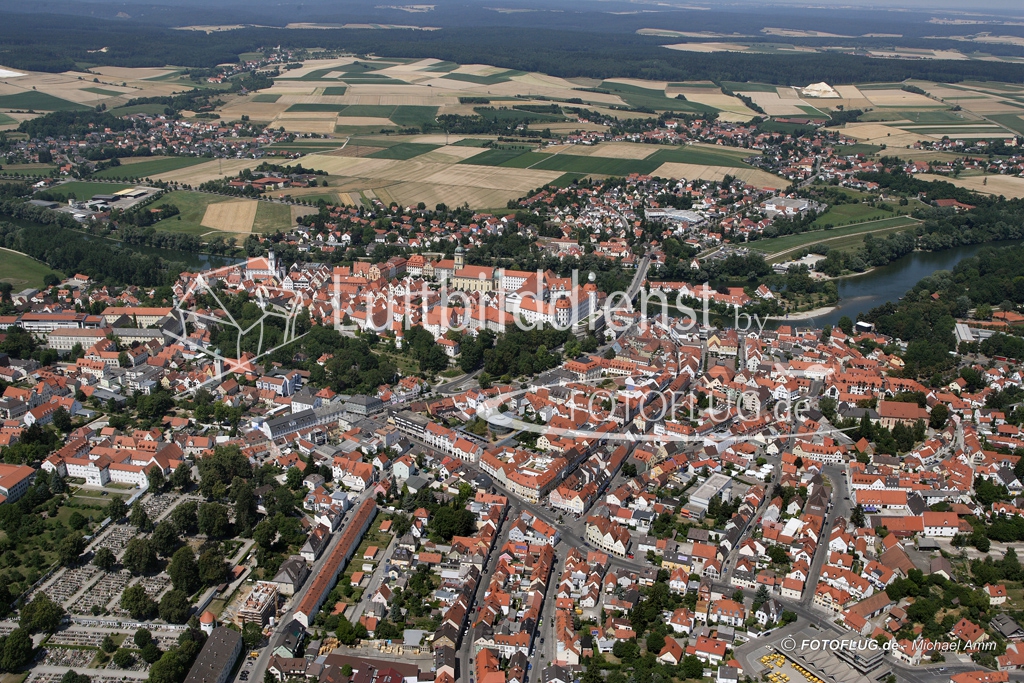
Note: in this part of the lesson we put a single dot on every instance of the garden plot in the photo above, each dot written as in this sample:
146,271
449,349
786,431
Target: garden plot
232,216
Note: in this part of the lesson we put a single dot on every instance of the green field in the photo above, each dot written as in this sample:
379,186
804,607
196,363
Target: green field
471,142
271,217
1014,122
152,109
496,156
265,97
565,180
101,91
38,101
401,115
28,169
413,116
812,111
85,190
778,248
343,129
648,98
6,120
335,90
22,271
316,106
515,115
571,163
406,150
325,146
865,149
749,87
493,79
150,167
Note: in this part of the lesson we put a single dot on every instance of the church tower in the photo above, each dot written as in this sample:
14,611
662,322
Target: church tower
460,258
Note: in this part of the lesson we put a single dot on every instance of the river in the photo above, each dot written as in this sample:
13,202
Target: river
861,293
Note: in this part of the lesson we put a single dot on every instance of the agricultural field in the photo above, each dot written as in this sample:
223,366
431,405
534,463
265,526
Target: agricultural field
271,217
146,167
215,169
194,207
22,271
1011,187
233,215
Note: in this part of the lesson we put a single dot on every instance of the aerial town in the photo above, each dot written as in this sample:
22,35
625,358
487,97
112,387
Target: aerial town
686,496
563,342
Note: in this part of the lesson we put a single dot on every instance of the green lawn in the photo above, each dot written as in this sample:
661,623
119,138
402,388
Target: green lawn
22,271
39,101
406,150
778,245
271,217
150,167
845,214
82,189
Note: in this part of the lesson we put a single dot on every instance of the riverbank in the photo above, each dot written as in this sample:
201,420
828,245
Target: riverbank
804,315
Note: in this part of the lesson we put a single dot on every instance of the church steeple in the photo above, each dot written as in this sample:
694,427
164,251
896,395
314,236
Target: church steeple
460,257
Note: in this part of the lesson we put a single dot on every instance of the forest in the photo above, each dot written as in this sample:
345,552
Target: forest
46,236
42,42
